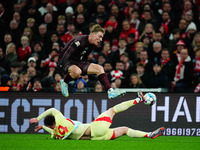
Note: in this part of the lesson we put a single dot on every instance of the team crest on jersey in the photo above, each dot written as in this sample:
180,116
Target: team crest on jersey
77,43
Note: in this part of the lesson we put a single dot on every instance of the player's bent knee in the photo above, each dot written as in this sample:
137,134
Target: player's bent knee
99,70
75,73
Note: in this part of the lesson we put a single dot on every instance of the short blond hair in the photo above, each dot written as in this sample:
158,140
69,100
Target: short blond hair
24,38
97,28
30,20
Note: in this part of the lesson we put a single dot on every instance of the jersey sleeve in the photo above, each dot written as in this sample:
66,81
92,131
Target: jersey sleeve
51,111
49,130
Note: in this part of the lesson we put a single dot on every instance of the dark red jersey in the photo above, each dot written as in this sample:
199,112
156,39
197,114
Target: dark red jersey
77,49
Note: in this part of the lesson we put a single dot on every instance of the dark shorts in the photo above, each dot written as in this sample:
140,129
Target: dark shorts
83,65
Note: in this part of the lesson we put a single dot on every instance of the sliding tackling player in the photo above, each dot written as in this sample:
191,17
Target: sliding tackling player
64,128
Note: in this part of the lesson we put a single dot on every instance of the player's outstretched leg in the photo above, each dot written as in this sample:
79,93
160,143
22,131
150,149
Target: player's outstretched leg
113,93
64,88
119,131
125,105
157,133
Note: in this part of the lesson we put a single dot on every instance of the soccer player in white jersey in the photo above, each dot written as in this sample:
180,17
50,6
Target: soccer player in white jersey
63,128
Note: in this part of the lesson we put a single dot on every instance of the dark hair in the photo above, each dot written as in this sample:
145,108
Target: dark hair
49,120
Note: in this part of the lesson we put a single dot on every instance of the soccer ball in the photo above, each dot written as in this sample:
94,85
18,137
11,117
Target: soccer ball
150,99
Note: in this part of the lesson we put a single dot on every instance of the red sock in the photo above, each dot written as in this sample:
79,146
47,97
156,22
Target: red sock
104,81
68,78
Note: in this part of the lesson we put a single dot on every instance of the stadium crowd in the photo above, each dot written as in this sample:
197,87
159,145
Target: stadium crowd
147,43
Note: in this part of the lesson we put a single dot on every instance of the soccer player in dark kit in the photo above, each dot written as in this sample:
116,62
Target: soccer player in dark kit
73,59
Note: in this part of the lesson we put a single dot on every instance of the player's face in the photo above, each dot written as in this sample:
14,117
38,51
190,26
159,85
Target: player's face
97,38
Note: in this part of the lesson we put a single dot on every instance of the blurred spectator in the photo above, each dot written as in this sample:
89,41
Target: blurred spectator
7,40
48,20
184,73
131,41
57,39
155,55
33,13
108,68
158,77
101,59
32,62
134,19
118,78
100,15
145,60
196,62
32,74
37,86
69,13
49,79
121,67
159,37
62,19
5,82
107,49
116,12
148,31
176,53
15,67
14,81
182,27
81,24
174,36
136,82
44,38
80,86
166,20
167,64
196,41
98,87
113,85
60,30
4,63
46,8
140,70
28,33
111,35
127,29
80,9
139,46
23,84
122,49
127,62
11,54
147,18
68,35
57,87
38,48
25,51
15,32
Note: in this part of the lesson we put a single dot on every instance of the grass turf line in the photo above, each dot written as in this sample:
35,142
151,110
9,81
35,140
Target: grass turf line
44,142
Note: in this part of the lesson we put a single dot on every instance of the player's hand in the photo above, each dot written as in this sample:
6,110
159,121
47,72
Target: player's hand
33,120
37,128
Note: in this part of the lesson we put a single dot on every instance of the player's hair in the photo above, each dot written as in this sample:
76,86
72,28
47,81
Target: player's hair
97,28
49,120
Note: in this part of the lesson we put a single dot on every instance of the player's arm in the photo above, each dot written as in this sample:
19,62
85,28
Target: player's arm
51,111
39,127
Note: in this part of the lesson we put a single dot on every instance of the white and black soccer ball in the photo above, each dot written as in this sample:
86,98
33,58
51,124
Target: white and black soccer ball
150,99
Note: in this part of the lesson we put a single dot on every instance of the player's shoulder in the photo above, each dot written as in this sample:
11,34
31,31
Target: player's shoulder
80,40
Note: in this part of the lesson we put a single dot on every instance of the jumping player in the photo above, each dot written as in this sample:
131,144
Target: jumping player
63,128
73,59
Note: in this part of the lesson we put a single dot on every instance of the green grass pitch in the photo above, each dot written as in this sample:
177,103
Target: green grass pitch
44,142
